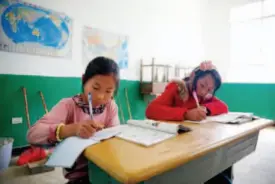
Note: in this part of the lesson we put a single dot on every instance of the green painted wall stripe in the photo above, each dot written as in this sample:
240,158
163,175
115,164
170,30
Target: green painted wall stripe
257,98
54,89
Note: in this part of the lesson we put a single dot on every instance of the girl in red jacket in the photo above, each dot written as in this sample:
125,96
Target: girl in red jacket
177,103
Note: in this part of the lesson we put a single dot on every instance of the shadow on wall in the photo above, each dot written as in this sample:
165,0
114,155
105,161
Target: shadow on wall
54,89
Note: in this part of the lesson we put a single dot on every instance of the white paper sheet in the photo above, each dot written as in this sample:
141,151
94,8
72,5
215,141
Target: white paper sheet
156,125
67,152
224,118
106,133
143,136
196,122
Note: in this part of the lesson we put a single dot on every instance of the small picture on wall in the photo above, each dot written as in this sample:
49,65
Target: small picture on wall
97,42
27,28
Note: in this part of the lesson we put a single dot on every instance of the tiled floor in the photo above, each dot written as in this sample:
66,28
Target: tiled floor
257,168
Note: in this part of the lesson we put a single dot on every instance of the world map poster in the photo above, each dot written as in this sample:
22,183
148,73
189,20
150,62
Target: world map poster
97,42
26,28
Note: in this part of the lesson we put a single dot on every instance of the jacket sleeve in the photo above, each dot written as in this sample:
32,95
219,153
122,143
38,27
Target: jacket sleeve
43,131
162,108
216,107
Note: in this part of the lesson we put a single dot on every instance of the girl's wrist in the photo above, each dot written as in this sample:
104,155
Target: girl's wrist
67,131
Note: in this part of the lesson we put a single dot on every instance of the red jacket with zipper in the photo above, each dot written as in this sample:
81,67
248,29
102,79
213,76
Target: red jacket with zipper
174,102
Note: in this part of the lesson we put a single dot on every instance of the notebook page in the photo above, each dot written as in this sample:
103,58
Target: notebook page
143,136
228,117
224,118
67,152
156,125
197,122
106,133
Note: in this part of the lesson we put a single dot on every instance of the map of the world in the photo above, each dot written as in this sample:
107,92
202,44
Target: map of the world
27,28
97,42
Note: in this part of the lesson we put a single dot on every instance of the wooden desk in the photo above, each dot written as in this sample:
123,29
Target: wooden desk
196,156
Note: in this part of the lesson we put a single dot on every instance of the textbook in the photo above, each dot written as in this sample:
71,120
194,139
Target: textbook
229,118
149,132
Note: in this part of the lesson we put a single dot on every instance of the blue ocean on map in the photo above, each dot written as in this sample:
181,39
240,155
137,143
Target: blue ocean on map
23,23
123,55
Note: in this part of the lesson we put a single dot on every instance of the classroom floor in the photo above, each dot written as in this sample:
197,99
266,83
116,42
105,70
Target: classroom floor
259,167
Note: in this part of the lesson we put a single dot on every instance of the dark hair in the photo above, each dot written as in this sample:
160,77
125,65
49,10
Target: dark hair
101,66
198,73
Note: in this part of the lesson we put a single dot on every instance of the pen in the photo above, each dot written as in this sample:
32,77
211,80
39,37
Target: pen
196,98
90,105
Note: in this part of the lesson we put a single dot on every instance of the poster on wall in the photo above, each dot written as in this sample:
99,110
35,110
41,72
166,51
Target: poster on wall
27,28
97,42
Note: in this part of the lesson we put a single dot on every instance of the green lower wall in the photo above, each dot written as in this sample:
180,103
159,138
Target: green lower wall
257,98
54,89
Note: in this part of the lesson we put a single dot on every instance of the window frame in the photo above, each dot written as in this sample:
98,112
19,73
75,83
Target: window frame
249,17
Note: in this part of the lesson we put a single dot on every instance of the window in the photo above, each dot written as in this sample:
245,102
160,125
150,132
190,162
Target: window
252,33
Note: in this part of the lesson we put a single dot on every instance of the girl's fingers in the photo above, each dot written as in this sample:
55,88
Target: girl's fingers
89,128
202,114
97,126
82,133
85,133
203,108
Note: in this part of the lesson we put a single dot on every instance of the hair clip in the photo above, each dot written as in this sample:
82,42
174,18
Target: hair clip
207,65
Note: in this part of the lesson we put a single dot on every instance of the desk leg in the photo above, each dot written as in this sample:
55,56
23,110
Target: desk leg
99,176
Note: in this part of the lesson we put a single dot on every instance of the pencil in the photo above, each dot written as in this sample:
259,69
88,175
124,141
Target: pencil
197,101
196,98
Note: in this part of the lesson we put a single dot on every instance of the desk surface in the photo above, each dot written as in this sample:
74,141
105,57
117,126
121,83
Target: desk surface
131,163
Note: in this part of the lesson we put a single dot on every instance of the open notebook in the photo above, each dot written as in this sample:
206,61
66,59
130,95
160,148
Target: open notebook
66,153
145,132
229,118
149,132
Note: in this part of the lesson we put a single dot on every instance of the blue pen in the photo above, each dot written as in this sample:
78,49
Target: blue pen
90,105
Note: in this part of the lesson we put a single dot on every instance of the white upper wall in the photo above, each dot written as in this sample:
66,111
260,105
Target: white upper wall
215,16
170,31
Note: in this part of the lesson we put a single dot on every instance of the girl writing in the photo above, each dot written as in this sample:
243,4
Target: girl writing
192,98
71,116
177,102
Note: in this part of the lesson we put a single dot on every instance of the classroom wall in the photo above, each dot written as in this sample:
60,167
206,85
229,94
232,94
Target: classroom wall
167,30
175,31
216,40
246,87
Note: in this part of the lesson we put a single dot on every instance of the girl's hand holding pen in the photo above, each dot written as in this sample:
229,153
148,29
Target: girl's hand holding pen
87,128
196,114
83,129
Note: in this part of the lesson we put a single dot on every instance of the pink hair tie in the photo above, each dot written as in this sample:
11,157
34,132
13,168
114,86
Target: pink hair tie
207,65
